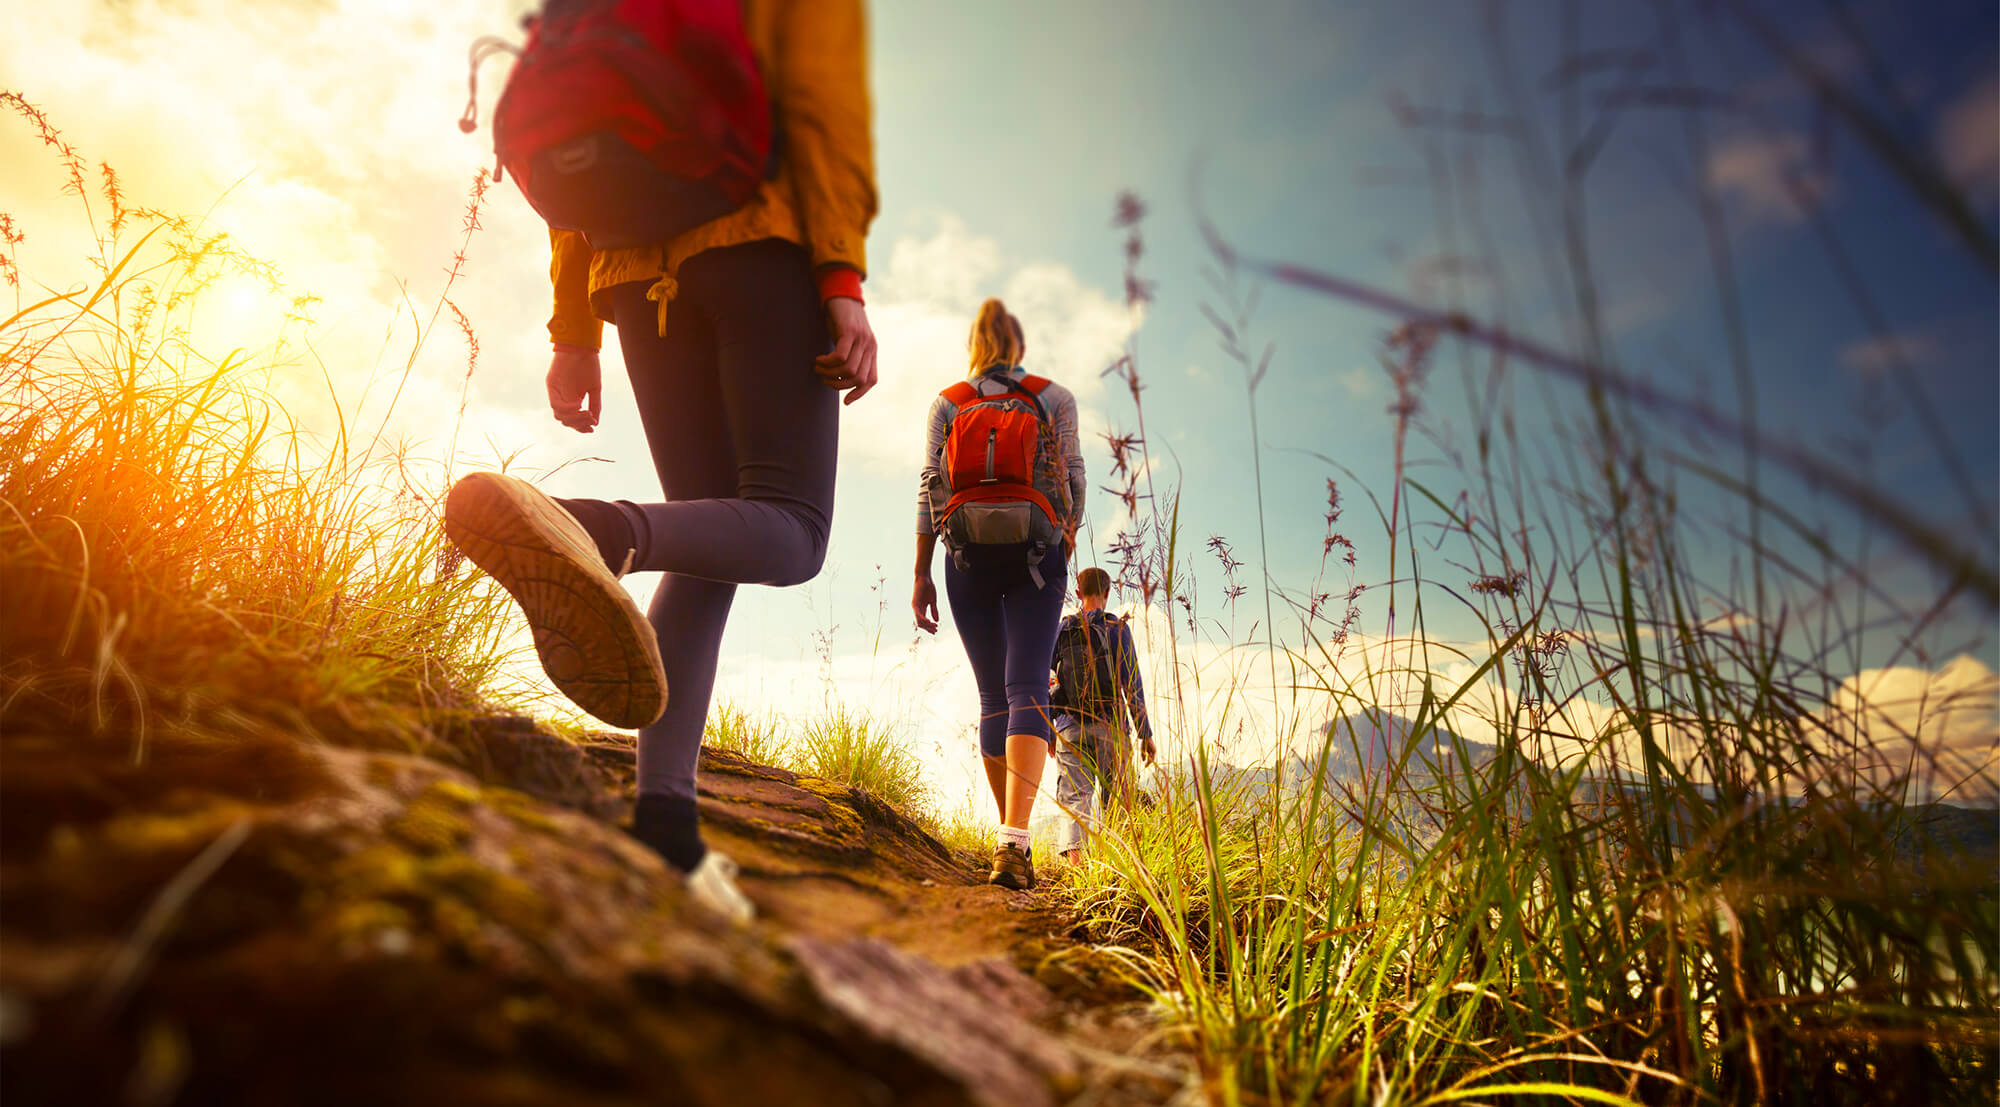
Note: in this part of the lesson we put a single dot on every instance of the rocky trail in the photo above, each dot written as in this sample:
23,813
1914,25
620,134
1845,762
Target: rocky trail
282,922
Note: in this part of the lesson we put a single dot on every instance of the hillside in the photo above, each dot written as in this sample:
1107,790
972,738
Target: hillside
285,921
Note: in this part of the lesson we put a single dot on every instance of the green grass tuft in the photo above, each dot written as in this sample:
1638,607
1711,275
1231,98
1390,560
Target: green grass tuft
853,747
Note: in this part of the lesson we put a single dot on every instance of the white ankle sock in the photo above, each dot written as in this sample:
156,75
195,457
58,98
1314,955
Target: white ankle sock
1012,837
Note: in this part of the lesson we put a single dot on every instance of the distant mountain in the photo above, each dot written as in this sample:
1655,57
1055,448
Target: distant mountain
1364,746
1359,749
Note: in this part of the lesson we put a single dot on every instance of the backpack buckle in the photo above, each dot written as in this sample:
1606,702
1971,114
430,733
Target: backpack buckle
574,156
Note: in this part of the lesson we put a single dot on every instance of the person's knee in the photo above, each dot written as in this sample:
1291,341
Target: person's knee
805,565
1031,695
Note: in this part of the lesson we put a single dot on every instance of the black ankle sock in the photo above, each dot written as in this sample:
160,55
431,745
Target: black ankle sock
607,526
670,826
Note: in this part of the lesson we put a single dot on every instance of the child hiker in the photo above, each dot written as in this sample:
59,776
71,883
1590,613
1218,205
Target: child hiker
1097,689
738,334
1003,486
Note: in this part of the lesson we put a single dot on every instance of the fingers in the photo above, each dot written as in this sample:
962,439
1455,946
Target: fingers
583,420
843,348
864,375
569,414
850,367
576,395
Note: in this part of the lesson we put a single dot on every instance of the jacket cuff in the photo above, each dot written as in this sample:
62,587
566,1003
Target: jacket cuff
587,333
847,247
836,281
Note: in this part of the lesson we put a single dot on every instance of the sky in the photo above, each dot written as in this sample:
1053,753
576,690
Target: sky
1403,145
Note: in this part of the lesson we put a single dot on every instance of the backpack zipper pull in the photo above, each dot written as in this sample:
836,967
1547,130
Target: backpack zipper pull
992,436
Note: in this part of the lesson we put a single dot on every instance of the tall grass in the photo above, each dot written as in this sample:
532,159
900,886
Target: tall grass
179,557
1682,865
853,747
760,738
1702,891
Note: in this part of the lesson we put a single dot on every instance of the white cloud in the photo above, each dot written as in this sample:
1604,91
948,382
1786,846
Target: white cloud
322,138
1729,624
1360,382
1968,137
922,304
1877,355
1938,730
1767,177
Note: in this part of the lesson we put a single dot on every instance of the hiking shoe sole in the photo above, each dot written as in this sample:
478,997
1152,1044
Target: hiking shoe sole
589,635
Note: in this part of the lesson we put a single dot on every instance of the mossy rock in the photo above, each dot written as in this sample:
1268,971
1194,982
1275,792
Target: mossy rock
401,933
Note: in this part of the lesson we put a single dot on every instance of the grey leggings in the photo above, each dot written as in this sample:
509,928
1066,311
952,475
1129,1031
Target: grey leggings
744,436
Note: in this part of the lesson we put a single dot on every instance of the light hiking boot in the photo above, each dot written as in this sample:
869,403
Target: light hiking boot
590,637
1012,868
713,885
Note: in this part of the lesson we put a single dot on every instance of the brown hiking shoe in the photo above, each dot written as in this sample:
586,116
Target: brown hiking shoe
590,637
1011,869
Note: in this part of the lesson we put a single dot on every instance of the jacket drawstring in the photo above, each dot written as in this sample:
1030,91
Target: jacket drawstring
662,293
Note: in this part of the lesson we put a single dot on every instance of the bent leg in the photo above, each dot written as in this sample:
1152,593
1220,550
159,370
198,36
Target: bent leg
768,523
679,393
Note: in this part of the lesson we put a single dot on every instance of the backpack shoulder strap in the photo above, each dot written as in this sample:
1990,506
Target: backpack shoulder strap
961,394
1101,629
1031,387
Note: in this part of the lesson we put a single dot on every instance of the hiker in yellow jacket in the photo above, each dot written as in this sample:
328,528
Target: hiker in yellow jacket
738,336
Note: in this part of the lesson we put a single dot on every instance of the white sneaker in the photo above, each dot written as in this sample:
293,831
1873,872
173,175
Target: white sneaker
713,885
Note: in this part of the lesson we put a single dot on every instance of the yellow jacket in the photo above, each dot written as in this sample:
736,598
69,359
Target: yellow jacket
814,57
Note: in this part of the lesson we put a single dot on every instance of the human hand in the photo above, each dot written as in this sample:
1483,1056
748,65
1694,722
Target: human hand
923,601
576,388
850,367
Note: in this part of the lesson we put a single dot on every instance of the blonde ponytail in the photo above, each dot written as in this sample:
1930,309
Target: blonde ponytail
996,338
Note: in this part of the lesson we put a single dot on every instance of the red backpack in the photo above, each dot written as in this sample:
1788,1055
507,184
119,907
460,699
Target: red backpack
999,476
631,120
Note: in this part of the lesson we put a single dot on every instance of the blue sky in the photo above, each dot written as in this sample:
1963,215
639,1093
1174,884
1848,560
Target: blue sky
1004,134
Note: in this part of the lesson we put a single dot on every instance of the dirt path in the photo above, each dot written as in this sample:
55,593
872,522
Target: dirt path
829,863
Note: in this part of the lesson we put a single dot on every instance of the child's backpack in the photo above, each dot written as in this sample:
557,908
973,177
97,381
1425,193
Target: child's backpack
631,120
1084,680
999,477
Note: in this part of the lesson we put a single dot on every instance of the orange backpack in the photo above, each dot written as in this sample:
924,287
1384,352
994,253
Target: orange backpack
1000,478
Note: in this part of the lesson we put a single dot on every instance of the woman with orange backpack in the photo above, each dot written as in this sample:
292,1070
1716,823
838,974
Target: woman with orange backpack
1003,486
739,330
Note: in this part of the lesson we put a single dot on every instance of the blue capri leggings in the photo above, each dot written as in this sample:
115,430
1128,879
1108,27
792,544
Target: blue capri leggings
1009,629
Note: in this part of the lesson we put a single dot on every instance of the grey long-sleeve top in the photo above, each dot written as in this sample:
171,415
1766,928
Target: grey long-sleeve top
1056,399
